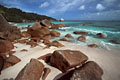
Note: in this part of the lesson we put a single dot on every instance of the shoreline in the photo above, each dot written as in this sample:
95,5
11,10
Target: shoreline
107,60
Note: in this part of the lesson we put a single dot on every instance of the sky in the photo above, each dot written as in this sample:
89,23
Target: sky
69,9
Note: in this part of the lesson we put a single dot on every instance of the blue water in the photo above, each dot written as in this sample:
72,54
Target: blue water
110,28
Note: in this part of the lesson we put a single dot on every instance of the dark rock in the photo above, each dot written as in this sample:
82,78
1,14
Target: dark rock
46,23
13,60
6,65
47,37
67,59
11,52
93,45
115,41
101,35
47,42
25,34
35,39
89,71
32,71
68,36
46,72
32,44
1,63
24,50
80,32
55,34
5,46
64,39
82,38
46,57
24,41
56,44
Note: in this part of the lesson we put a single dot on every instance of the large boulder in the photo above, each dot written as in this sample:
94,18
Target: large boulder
80,32
5,46
82,38
36,26
66,59
101,35
46,23
89,71
39,32
32,71
68,36
8,31
55,34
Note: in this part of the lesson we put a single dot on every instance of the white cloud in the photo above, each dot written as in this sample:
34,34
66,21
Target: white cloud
82,7
61,6
45,4
100,7
108,2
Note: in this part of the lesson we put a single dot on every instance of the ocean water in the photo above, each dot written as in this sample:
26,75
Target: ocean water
110,28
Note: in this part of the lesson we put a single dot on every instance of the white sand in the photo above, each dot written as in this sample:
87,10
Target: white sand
109,61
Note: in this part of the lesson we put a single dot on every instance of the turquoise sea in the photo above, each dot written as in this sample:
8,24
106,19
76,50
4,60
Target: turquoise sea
110,28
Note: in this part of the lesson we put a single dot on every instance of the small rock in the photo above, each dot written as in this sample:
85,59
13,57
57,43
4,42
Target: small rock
55,34
93,45
80,32
68,36
13,59
82,38
46,72
64,39
101,35
57,44
24,50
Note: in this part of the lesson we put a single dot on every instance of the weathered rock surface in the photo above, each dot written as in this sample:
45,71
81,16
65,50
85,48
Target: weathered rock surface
5,46
89,71
68,36
46,23
80,32
55,34
64,39
66,59
12,59
47,42
25,34
82,38
101,35
46,57
24,41
46,72
9,32
93,45
32,71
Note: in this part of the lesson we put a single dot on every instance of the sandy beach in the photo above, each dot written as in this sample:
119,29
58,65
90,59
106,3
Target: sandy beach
108,60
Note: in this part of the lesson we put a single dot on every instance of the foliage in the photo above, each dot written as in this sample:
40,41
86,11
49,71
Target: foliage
17,15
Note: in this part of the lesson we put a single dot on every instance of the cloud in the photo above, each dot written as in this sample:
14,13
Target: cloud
106,15
100,7
82,7
108,2
45,4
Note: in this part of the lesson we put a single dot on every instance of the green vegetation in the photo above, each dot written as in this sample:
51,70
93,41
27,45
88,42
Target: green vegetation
17,15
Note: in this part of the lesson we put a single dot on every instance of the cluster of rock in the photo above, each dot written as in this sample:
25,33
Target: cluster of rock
83,38
73,64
